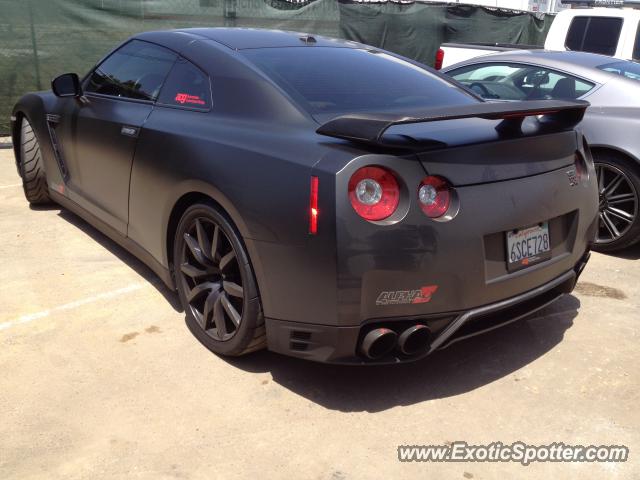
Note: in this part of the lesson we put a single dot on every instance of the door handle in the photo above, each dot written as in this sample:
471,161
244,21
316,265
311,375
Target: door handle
129,131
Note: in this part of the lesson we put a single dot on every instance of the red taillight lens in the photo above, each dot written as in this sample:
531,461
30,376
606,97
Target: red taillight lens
313,206
439,59
434,196
374,193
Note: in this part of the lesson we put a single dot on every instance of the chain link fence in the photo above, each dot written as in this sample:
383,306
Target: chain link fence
40,39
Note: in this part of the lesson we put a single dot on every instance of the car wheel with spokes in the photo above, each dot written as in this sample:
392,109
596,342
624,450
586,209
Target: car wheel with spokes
619,202
216,284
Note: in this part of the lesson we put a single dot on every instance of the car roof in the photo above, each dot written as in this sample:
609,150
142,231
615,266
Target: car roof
245,38
582,64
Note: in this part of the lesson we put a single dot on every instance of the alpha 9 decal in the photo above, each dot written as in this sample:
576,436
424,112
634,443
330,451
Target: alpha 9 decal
183,98
403,297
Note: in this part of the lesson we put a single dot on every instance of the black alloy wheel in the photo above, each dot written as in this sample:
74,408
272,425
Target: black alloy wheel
618,190
215,282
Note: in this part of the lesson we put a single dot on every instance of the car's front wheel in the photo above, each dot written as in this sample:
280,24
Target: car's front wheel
619,202
31,164
216,283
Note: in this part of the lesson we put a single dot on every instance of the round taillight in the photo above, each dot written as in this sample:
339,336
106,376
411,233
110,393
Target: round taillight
374,193
434,196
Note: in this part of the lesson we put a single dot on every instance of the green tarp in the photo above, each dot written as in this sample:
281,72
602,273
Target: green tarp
40,39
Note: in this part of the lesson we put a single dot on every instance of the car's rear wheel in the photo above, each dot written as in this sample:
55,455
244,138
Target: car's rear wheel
216,283
619,202
34,179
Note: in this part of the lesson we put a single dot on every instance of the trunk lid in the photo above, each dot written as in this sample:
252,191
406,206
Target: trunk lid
501,160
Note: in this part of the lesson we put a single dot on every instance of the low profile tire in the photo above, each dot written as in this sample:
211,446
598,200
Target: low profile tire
34,179
216,283
619,201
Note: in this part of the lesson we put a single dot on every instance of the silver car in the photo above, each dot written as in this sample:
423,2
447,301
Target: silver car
611,125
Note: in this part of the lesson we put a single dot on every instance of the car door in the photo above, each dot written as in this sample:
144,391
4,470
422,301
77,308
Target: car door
98,133
180,111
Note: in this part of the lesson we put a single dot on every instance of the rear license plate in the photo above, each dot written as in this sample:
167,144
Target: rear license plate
528,246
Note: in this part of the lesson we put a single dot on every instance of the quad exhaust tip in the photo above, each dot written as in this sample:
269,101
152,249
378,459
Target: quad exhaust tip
378,343
414,340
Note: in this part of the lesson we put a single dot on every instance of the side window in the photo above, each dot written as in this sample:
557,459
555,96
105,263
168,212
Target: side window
487,72
520,82
594,34
575,35
562,86
603,35
136,70
187,87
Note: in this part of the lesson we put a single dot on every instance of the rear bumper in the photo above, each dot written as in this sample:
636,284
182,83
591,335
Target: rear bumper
334,344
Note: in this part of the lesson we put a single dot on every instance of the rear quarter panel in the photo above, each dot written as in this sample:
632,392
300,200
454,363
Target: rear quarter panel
614,128
259,173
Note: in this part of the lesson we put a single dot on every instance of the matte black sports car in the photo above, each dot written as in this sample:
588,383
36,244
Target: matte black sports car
322,198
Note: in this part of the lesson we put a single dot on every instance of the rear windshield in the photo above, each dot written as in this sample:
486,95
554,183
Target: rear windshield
343,80
626,69
594,34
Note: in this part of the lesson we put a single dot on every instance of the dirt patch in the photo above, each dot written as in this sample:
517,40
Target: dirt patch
129,336
594,290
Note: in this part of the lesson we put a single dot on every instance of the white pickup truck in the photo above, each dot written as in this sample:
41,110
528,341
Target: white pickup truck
607,31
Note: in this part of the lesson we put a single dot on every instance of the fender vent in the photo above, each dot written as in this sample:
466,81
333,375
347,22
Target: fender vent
52,123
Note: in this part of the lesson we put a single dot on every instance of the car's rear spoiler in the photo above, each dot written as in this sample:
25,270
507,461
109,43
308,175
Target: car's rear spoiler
558,115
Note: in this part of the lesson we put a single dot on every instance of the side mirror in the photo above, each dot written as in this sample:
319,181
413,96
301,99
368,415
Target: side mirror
67,85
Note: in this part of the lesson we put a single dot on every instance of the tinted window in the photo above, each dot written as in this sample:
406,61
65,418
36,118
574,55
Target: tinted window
626,69
186,86
514,81
136,70
636,48
602,35
341,80
575,35
594,34
484,72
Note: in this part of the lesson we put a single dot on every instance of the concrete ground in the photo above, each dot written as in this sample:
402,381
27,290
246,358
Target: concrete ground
100,378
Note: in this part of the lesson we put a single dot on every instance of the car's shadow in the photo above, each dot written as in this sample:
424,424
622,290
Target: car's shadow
631,253
462,367
136,265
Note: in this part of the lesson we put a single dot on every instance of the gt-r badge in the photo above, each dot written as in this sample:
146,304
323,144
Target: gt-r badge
573,177
402,297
